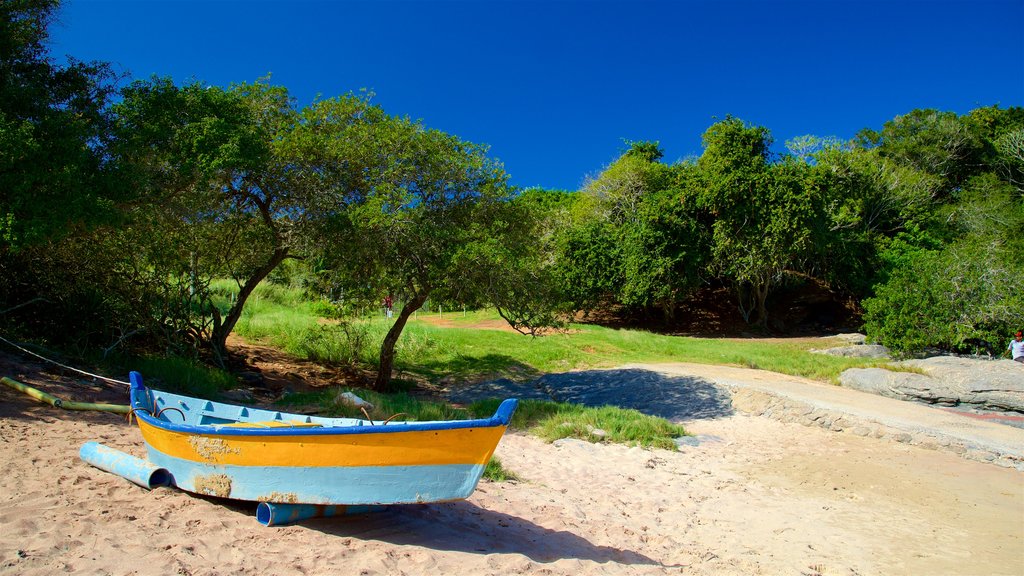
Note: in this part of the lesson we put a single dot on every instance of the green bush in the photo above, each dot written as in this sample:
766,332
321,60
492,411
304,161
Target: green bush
345,343
966,298
329,310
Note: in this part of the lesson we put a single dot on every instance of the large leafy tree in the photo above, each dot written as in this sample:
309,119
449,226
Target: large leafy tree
939,143
58,183
964,295
952,276
431,206
869,201
248,180
54,128
638,244
762,215
219,198
521,274
663,249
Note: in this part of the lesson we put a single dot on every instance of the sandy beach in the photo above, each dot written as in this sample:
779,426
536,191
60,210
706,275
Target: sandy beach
753,496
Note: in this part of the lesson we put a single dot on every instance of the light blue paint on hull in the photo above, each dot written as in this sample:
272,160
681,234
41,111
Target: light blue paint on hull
324,484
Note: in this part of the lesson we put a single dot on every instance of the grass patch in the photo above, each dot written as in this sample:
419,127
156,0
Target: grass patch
461,352
183,376
278,316
496,472
555,420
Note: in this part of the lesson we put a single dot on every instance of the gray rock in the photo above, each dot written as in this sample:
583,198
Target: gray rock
992,385
854,339
697,440
857,351
250,378
238,396
687,441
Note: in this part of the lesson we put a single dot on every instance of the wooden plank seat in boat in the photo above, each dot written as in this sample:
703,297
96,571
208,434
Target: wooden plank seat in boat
273,424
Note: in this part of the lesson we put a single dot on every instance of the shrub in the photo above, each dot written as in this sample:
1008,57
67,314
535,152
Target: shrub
965,299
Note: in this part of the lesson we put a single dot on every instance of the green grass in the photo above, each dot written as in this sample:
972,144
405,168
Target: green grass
496,472
461,352
280,318
548,420
183,376
554,420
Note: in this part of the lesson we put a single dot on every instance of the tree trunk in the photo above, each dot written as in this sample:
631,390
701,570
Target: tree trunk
760,303
220,332
753,297
387,348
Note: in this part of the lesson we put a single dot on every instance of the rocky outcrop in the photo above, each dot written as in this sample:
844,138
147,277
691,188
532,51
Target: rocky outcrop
785,409
857,351
996,385
855,347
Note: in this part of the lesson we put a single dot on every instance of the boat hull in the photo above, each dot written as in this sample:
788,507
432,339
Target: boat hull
364,469
276,457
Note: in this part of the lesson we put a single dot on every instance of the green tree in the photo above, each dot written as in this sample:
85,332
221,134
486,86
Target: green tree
938,143
762,215
58,183
619,189
517,272
54,128
1010,158
429,202
221,197
963,294
588,264
664,250
638,244
868,201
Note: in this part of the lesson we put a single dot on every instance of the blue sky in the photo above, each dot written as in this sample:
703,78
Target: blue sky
555,87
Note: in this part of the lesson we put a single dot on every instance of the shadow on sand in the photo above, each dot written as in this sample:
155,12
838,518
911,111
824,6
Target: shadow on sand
464,527
675,398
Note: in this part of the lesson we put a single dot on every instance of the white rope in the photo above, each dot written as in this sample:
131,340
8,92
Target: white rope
64,365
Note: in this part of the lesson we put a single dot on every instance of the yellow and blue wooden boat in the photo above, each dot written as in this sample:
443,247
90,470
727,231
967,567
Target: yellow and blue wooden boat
275,457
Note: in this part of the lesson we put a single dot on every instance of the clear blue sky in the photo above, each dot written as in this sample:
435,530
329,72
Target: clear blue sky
555,87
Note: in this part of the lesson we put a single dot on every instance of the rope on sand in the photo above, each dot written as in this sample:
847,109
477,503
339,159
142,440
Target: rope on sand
66,367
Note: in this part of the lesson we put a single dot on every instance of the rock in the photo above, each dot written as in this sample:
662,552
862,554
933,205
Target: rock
852,339
250,378
993,385
238,395
686,441
573,443
350,399
857,351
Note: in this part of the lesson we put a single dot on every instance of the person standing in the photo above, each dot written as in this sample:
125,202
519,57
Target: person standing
1016,347
388,302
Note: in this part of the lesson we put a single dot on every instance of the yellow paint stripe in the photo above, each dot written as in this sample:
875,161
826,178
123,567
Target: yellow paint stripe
431,447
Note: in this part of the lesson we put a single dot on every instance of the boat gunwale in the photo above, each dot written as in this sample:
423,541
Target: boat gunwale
142,403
